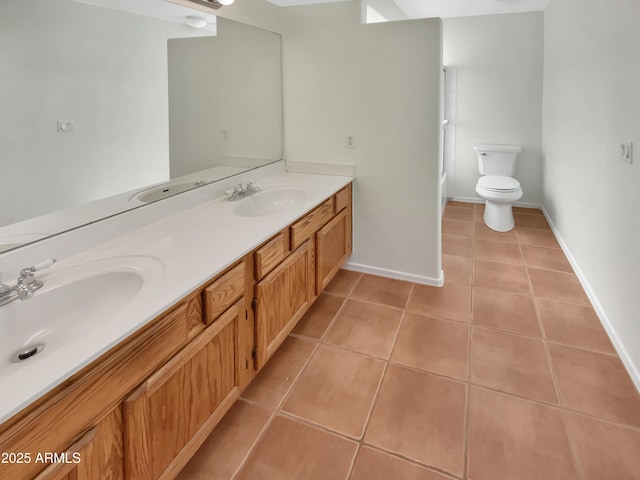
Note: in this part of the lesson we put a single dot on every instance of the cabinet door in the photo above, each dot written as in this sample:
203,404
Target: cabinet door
282,297
333,247
169,416
96,455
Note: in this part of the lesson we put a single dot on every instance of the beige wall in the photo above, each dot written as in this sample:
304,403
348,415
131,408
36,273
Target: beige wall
591,105
380,82
498,61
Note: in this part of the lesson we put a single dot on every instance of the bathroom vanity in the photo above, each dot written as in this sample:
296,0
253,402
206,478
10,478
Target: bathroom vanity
141,408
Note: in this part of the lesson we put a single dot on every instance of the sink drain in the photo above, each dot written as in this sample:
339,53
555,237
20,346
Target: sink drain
27,353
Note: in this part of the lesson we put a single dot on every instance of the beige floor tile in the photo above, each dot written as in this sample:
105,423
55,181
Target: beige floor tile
497,252
530,221
314,323
421,417
343,282
596,384
460,246
501,276
511,438
386,291
365,328
457,269
511,364
561,286
537,237
223,452
484,232
573,324
478,216
336,390
290,450
452,301
509,311
458,213
546,258
434,345
605,450
373,464
460,228
275,379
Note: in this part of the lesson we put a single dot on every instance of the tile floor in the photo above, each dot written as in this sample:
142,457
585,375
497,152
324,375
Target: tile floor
504,373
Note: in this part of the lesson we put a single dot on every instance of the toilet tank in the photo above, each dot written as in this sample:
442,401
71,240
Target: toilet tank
497,159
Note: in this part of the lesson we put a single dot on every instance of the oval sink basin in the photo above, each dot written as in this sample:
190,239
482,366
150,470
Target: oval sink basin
73,303
164,191
270,202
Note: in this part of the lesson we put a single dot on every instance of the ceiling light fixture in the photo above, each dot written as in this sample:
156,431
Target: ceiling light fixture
194,21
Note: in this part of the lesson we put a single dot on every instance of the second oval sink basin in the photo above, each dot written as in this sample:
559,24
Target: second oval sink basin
269,202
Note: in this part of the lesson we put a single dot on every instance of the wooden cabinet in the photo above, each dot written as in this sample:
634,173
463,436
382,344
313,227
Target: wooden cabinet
97,454
281,299
141,410
333,247
169,416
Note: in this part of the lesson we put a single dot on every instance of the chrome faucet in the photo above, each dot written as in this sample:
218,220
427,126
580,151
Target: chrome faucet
240,192
26,285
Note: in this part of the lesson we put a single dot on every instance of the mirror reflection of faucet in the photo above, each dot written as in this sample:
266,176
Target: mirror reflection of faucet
26,284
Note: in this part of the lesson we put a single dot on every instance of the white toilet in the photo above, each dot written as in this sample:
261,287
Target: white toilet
497,164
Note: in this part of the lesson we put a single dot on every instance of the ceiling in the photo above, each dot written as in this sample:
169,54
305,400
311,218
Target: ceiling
440,8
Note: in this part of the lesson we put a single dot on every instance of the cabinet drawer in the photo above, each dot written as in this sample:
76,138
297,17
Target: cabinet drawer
308,225
222,293
342,198
270,255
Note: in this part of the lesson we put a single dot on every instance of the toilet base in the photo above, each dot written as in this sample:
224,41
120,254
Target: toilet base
498,216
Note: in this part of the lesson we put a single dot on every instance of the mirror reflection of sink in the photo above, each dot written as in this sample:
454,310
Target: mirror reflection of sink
71,303
269,202
165,190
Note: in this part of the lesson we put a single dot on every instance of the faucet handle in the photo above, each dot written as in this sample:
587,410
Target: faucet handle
25,272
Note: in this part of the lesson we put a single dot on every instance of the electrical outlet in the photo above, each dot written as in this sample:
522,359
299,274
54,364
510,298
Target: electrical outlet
225,135
66,126
626,152
350,141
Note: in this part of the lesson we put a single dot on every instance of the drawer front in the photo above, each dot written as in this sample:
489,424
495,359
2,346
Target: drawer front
222,293
308,225
342,198
270,255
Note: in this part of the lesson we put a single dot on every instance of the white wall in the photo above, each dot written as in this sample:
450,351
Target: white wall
591,105
498,61
380,82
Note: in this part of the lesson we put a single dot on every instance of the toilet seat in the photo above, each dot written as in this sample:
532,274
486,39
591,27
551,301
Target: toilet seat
498,183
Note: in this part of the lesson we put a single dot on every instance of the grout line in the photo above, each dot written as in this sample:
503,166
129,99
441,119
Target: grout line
254,444
399,456
293,382
574,451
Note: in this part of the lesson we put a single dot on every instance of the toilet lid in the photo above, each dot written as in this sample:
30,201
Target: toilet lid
499,183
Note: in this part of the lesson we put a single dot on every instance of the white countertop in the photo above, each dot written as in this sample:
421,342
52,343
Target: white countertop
191,247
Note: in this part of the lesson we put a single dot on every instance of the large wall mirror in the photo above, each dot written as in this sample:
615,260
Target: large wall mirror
103,110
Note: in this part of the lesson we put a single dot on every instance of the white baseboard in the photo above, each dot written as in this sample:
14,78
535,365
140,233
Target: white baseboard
383,272
479,200
634,373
